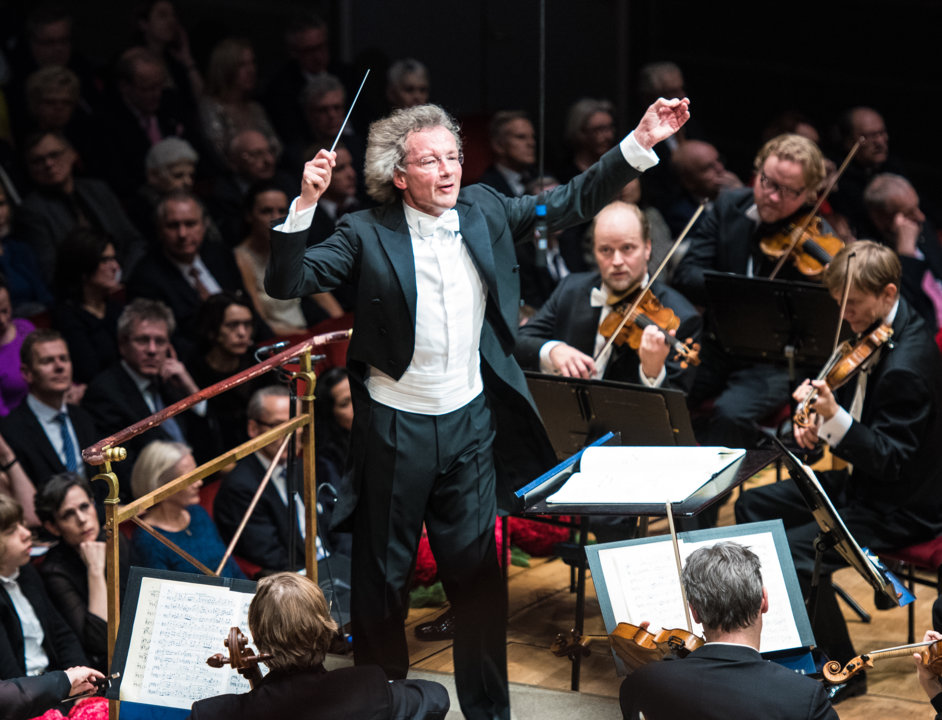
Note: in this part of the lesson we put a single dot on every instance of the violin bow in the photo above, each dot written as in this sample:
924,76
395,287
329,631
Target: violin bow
634,306
844,293
680,570
814,211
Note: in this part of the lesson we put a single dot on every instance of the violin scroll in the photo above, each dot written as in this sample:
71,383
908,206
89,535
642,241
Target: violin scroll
241,657
571,645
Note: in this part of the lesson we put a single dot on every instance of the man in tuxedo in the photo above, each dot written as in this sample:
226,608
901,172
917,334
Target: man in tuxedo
47,433
442,412
183,270
727,677
886,422
564,336
146,379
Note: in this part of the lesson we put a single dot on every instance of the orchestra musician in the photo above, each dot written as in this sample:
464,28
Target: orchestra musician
789,169
727,677
886,422
442,411
564,336
290,620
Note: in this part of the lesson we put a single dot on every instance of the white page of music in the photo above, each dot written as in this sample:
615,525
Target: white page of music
177,626
642,584
625,474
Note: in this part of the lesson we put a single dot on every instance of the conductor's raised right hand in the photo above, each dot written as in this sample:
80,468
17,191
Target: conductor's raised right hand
316,178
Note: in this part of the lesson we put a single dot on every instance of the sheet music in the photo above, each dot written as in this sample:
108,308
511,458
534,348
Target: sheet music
642,584
616,475
176,627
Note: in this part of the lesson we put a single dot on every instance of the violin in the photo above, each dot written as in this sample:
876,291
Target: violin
806,244
241,657
843,364
637,646
644,311
931,658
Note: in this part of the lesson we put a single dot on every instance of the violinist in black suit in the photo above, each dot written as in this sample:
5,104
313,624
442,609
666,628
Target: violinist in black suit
886,422
564,336
431,366
727,677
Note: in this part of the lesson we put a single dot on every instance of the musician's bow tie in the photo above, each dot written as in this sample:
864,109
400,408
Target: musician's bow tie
598,297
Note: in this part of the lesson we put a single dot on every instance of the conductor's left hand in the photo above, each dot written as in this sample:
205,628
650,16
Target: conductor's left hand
661,120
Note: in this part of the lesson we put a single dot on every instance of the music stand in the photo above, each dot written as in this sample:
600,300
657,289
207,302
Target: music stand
783,322
834,533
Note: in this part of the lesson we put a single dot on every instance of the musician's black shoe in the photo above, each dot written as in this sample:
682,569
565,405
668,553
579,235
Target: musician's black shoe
857,685
441,628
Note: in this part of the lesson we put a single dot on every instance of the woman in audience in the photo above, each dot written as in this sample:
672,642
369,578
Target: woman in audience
15,483
227,107
33,636
88,279
73,571
162,34
13,331
28,292
179,517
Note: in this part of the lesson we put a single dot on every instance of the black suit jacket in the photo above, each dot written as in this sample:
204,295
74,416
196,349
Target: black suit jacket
265,539
36,454
60,643
352,693
374,249
28,697
568,316
895,447
159,279
493,177
720,682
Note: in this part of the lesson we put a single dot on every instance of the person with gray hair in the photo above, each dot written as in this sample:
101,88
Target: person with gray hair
407,84
727,677
441,409
171,165
590,132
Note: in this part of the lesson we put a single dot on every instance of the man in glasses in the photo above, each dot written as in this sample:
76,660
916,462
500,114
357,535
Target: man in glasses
441,409
788,171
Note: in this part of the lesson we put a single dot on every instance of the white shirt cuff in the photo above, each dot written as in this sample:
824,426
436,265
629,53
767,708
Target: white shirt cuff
546,365
635,155
656,382
833,431
297,220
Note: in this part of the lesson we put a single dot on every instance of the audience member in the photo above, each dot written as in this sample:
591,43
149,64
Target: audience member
87,282
18,266
513,147
701,176
47,431
274,534
165,36
170,165
289,618
34,638
407,84
73,570
564,337
895,219
183,269
789,170
227,106
146,379
225,329
179,517
590,132
727,677
13,332
28,697
333,422
62,202
15,483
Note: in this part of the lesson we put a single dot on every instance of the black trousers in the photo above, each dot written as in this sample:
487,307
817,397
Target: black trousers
875,528
438,470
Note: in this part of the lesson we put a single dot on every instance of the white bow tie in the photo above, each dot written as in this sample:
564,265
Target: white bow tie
448,220
598,298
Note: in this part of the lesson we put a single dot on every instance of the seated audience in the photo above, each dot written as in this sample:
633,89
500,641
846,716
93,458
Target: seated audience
88,280
701,176
169,165
73,570
590,132
407,84
333,422
28,292
164,35
13,331
513,147
727,677
289,618
180,518
47,431
34,638
15,483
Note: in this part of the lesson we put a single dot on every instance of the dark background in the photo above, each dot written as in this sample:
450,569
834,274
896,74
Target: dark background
743,62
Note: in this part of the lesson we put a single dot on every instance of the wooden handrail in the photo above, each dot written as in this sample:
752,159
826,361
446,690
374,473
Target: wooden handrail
95,454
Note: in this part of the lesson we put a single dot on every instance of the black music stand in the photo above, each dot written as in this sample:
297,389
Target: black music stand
781,322
834,533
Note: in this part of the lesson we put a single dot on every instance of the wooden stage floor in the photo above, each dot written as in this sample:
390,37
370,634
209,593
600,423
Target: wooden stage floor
540,606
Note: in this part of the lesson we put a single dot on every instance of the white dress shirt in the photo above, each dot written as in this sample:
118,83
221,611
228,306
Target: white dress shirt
36,659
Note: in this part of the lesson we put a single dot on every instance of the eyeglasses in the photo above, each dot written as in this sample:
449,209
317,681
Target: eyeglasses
432,162
771,186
